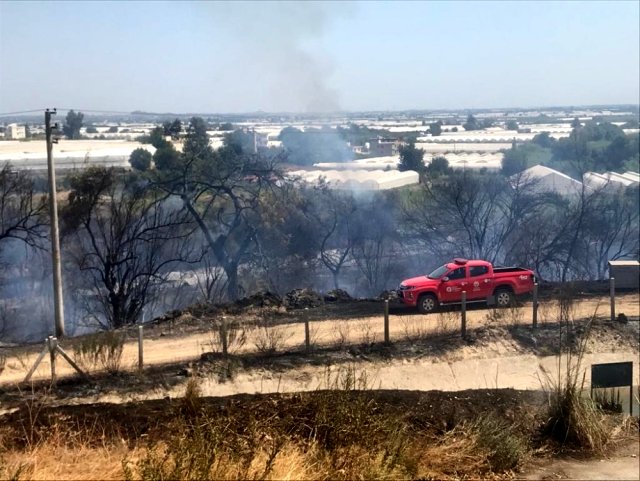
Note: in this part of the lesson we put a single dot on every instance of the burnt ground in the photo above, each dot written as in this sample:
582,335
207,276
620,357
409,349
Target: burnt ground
432,412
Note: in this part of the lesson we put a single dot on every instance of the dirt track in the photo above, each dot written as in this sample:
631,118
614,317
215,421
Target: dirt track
436,358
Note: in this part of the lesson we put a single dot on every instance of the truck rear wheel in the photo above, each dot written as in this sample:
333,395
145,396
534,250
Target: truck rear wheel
427,303
505,298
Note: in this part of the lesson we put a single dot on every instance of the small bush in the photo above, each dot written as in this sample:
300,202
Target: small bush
343,331
270,338
506,448
227,337
100,351
3,361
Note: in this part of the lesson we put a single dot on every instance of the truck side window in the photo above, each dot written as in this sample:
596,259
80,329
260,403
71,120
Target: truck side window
457,274
475,271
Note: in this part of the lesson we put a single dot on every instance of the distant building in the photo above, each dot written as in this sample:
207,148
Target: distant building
384,147
15,132
543,179
611,180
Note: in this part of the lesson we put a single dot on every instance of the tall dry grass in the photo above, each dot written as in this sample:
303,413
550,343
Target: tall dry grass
573,419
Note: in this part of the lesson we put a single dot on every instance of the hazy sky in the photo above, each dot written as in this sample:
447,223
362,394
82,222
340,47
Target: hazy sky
289,56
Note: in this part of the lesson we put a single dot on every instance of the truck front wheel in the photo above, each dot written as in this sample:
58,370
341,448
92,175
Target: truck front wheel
427,303
504,298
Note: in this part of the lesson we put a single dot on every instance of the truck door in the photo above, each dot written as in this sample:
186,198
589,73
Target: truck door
480,282
451,290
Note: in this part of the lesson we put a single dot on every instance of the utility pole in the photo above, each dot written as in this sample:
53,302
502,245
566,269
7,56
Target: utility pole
55,233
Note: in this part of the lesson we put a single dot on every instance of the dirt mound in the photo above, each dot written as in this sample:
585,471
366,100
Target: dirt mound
302,298
260,299
337,295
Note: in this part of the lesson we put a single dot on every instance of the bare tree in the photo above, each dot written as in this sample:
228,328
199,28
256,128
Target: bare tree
333,214
124,238
22,211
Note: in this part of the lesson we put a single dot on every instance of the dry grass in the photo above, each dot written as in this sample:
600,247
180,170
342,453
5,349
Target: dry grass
227,337
573,419
269,338
101,351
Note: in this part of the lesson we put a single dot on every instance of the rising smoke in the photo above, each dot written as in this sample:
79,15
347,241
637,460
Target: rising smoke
278,49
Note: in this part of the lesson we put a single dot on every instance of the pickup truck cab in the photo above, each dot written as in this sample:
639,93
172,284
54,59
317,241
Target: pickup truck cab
479,279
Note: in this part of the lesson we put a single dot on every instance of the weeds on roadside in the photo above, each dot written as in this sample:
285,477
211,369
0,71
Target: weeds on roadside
446,322
368,335
506,448
572,418
227,336
343,329
100,351
269,338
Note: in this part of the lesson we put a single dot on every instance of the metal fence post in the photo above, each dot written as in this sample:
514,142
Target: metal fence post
386,321
612,293
464,314
307,331
140,348
535,305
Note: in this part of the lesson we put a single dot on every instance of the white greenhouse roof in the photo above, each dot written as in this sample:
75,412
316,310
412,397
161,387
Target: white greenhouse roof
358,179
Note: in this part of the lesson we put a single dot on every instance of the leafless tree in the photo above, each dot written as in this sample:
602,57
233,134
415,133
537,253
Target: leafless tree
124,238
333,214
23,213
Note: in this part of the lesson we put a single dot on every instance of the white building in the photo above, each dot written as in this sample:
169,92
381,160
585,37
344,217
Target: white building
610,180
15,132
544,179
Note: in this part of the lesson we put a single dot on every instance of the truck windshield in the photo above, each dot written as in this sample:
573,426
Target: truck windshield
438,273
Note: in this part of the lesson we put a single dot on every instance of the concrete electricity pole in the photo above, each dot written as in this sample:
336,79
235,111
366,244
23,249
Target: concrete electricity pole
55,233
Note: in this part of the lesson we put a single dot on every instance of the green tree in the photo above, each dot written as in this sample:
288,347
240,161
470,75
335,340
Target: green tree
472,123
543,139
411,158
156,138
511,125
140,159
167,158
438,166
227,126
73,124
197,141
436,128
112,130
91,130
575,123
514,161
172,129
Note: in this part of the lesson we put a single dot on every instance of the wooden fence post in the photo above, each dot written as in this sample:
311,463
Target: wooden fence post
386,321
535,305
140,348
464,314
307,331
612,294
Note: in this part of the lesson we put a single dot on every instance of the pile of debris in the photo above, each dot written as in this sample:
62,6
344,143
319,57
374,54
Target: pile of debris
390,295
260,299
302,298
337,295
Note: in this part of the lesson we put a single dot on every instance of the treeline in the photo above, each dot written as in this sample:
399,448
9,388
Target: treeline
594,146
205,225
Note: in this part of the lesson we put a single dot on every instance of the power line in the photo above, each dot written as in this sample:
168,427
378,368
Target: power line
4,114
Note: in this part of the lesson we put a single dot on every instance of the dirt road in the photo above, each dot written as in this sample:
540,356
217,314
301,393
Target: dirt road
168,349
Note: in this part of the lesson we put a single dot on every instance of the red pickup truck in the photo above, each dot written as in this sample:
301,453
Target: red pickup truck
479,279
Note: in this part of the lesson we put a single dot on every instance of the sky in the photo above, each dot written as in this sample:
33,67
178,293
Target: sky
234,57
